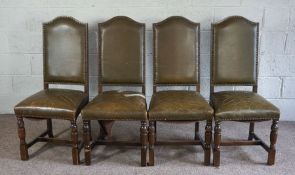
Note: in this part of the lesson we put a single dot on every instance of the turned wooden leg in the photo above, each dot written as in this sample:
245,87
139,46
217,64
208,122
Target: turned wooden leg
75,150
251,131
196,130
22,137
217,140
144,142
87,141
208,139
273,140
49,128
151,143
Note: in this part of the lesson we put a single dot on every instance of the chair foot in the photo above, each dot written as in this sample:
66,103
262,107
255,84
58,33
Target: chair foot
217,140
22,136
151,143
208,139
87,141
273,140
75,149
144,142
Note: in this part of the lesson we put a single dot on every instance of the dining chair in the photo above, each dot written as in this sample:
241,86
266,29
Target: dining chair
177,63
65,61
121,63
234,62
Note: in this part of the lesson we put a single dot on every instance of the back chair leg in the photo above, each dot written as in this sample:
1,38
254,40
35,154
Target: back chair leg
155,131
251,131
151,143
196,130
75,149
273,140
49,128
87,140
217,141
22,136
144,142
208,139
90,130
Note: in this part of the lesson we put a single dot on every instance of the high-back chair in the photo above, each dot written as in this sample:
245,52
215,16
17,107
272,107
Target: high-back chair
65,62
177,63
234,62
121,63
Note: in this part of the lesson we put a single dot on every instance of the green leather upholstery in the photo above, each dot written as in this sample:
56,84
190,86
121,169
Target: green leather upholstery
121,62
234,51
234,62
176,51
121,47
65,61
53,103
65,51
112,105
176,61
241,105
179,106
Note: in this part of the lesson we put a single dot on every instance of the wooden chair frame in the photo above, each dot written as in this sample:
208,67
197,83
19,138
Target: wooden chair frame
74,142
253,139
206,144
89,143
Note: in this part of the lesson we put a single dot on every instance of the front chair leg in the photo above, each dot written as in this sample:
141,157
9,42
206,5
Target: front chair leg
273,140
217,141
75,150
151,143
22,136
144,142
87,141
49,128
208,139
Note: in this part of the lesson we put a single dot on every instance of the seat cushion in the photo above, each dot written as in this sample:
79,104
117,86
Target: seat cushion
53,103
242,105
113,105
179,105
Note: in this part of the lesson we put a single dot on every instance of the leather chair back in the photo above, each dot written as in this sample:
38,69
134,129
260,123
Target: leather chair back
234,52
121,52
65,51
176,52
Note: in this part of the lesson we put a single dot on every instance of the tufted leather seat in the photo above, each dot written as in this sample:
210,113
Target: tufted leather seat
112,105
179,105
241,105
53,103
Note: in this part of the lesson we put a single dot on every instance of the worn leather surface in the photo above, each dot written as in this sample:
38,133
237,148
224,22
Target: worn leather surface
53,103
242,105
176,51
121,51
234,48
65,50
113,105
179,106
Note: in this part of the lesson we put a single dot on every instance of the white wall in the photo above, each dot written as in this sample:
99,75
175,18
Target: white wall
21,40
